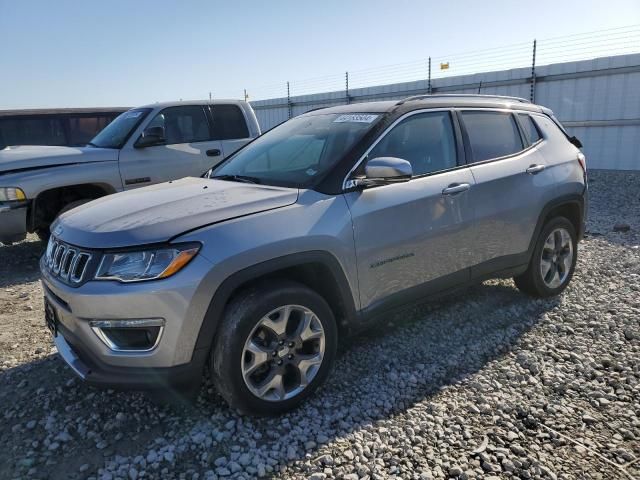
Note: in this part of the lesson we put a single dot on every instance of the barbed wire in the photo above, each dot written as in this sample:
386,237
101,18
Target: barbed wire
579,46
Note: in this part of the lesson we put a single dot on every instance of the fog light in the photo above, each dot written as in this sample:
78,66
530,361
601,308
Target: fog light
129,335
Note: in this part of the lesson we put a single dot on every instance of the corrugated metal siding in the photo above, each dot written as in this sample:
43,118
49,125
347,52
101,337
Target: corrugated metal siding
604,91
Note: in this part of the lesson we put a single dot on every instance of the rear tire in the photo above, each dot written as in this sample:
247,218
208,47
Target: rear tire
276,344
553,261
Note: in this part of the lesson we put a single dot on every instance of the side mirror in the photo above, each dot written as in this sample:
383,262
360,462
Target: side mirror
151,136
385,170
574,141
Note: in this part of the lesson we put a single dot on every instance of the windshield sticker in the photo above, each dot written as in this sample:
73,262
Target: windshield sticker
311,172
133,114
356,117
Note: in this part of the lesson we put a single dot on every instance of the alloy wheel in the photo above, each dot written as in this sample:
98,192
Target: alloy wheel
283,353
556,258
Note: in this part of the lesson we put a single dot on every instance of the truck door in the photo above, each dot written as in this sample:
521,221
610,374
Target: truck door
187,149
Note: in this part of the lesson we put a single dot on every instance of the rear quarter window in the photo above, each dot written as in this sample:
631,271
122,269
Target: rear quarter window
491,134
228,122
549,128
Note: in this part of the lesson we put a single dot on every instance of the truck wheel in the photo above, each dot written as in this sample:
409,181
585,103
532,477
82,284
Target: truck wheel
276,344
44,233
553,260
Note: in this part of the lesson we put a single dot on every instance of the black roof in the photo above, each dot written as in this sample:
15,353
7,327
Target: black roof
59,111
433,101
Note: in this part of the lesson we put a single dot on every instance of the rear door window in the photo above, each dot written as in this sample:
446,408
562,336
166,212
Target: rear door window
228,122
491,134
32,131
530,128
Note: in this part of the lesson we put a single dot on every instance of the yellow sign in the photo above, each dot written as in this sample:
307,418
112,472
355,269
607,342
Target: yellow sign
444,66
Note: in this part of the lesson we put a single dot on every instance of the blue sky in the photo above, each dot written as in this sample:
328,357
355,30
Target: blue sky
104,53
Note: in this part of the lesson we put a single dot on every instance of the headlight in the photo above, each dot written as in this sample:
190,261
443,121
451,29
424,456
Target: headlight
151,264
11,194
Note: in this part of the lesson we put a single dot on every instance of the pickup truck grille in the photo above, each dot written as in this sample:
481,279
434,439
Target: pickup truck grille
66,262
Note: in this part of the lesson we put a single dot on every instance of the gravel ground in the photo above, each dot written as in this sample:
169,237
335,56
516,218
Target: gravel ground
484,384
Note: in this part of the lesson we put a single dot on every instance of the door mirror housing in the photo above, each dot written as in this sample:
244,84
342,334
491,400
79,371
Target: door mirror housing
151,136
575,142
384,171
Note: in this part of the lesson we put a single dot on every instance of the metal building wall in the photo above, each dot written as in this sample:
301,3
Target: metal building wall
597,100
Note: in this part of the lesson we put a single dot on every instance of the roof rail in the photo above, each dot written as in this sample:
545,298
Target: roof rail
463,95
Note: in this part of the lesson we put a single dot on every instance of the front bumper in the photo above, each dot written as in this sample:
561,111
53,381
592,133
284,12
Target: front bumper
173,362
93,371
13,222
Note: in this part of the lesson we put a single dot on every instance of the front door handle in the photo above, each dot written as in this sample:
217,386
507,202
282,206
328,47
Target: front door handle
533,169
214,152
456,188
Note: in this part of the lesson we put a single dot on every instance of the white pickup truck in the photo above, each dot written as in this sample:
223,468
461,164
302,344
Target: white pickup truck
142,146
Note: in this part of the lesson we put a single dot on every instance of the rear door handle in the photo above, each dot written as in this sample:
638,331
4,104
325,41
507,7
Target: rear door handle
214,152
533,169
456,188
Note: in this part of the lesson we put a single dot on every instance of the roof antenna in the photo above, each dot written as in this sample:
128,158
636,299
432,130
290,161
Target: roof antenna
479,87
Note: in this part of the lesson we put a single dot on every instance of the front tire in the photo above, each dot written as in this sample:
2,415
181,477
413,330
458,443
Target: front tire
275,346
553,261
44,233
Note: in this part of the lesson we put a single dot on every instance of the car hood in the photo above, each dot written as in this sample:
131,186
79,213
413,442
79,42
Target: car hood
36,157
159,212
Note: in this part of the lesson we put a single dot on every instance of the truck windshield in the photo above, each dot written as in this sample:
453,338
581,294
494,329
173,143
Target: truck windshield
118,132
298,152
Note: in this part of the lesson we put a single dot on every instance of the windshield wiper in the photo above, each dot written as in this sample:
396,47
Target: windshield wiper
236,178
91,144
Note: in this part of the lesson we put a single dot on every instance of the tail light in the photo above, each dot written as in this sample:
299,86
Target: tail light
583,161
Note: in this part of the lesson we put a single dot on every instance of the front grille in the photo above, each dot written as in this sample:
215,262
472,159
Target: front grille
66,262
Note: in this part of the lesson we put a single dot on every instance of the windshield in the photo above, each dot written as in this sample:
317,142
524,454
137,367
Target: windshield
298,152
117,132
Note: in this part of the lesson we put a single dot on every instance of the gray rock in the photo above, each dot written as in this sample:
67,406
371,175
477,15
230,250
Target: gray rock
455,471
152,457
223,471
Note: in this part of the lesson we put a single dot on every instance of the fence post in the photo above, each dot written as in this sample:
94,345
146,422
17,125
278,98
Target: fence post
429,78
288,100
346,79
246,97
532,94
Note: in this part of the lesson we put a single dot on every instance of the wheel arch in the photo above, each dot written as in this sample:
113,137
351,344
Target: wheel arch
318,270
570,206
48,202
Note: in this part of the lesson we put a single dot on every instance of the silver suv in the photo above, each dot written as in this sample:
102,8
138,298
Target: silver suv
307,234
